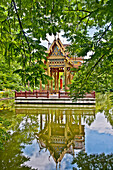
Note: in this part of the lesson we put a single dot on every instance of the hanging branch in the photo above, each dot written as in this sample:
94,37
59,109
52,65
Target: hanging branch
92,68
104,32
21,27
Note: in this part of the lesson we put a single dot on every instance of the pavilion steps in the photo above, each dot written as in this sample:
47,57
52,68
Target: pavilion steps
30,100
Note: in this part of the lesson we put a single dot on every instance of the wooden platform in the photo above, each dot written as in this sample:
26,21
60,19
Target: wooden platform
47,98
58,101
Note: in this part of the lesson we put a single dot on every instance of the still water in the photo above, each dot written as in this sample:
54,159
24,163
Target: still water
49,137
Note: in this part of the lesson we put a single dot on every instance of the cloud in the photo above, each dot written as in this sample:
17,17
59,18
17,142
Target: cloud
101,125
51,39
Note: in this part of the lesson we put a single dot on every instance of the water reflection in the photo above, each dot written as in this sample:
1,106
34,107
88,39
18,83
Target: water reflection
61,131
46,138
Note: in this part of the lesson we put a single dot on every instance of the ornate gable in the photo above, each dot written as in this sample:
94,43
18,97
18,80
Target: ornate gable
56,52
56,49
57,55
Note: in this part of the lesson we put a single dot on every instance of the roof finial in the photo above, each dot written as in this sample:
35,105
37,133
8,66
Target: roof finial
55,37
58,35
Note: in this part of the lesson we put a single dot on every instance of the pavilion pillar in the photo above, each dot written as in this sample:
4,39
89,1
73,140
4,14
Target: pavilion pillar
48,72
40,85
46,84
46,87
55,80
65,74
80,127
58,81
69,78
51,81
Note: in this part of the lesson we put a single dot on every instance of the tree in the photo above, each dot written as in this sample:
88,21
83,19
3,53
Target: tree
19,138
82,17
9,80
23,25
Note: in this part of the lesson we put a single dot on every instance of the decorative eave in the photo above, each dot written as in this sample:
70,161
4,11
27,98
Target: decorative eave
68,61
61,44
50,49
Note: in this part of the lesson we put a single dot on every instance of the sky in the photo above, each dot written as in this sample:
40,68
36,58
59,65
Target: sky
64,40
51,39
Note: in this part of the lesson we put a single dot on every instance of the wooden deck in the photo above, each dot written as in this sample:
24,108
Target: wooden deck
46,98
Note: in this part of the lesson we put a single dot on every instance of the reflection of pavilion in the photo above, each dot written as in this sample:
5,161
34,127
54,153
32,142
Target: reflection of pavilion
61,132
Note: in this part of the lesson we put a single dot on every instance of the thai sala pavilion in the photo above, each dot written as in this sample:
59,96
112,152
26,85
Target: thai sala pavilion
59,66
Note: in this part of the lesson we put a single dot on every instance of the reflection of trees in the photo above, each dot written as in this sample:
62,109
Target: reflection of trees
94,161
5,106
103,104
89,119
23,127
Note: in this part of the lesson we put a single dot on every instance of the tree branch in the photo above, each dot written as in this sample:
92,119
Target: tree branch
21,27
92,68
79,10
104,33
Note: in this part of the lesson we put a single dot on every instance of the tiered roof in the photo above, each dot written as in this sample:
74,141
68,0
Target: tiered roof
72,61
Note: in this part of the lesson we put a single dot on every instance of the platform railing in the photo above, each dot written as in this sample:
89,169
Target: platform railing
35,94
63,94
66,95
45,94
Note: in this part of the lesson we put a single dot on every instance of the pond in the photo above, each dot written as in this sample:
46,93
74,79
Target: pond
48,137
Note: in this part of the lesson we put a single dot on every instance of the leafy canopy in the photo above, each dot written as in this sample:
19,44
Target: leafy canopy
90,29
88,24
23,23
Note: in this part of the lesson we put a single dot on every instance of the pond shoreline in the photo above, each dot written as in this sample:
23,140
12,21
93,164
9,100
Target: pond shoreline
7,98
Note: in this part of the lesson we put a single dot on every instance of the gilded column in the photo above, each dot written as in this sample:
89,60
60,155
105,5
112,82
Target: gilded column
69,78
48,72
58,80
51,82
55,80
46,84
65,73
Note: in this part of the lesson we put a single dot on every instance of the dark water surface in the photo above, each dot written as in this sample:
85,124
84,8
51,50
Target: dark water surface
49,137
